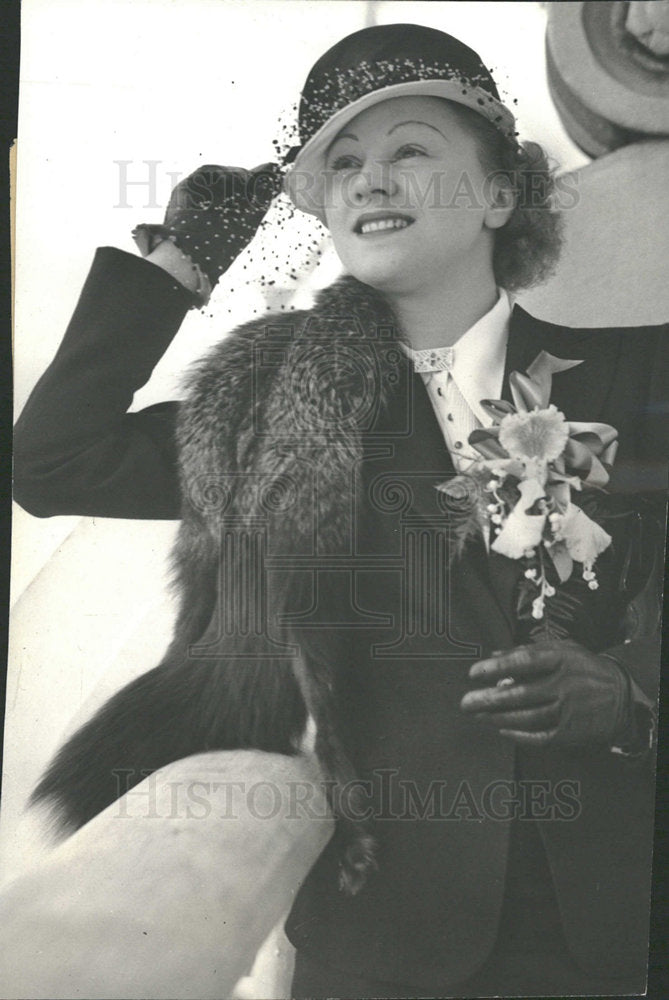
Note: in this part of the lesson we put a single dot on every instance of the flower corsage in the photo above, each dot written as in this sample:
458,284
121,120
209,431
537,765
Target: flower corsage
521,489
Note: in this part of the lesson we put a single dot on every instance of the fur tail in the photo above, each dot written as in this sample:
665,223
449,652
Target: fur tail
173,711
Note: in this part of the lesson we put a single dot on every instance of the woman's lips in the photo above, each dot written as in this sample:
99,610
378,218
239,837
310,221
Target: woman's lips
382,223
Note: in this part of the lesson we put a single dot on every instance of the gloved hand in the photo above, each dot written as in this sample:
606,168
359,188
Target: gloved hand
556,693
213,214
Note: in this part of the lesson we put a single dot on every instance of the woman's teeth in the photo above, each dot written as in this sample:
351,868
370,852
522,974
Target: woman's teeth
380,224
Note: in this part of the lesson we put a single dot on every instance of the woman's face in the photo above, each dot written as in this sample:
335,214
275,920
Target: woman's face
406,200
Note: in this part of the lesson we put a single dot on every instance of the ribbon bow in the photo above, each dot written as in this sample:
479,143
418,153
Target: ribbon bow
589,447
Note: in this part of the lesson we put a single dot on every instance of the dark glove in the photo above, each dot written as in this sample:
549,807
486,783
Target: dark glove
555,693
213,214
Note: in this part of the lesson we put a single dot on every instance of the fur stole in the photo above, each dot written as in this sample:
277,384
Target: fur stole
269,441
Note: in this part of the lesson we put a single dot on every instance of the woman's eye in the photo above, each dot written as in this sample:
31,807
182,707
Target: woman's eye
408,150
345,162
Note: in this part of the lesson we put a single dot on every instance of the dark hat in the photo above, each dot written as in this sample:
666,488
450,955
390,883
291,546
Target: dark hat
374,65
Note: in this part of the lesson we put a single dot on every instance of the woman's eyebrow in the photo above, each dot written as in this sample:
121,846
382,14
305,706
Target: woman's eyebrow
344,135
415,122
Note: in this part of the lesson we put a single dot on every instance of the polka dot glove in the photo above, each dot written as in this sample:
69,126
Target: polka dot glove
212,215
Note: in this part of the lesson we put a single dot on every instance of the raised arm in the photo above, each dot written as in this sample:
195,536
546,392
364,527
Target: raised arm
76,448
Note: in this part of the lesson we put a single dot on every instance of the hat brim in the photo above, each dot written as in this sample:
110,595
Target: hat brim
304,181
587,45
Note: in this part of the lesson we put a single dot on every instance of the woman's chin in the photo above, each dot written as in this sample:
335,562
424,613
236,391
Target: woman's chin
382,276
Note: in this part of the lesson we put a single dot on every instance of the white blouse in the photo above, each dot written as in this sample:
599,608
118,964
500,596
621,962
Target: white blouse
457,378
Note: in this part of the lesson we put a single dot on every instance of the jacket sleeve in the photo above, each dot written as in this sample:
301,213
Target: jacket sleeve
76,449
640,652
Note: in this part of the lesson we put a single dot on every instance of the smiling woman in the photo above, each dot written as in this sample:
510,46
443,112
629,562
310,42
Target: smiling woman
412,156
317,561
469,187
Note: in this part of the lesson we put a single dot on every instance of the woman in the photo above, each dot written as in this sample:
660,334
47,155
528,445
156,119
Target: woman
491,768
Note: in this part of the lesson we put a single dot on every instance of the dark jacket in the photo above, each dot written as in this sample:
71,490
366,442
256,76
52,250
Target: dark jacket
307,442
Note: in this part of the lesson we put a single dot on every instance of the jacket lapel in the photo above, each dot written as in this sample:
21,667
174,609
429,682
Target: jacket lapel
415,452
422,457
581,393
420,460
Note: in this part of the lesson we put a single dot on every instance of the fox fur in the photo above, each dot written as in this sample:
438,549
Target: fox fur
269,411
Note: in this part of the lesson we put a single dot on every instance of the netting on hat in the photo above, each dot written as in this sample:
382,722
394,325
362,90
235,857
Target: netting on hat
342,87
290,257
292,253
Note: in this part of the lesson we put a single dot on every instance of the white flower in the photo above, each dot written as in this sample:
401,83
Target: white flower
538,607
501,468
584,539
534,438
521,531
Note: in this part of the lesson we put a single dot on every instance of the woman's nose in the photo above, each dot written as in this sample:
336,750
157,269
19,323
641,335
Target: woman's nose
375,177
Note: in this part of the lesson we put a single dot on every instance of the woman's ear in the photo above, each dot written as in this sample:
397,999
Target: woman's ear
500,199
